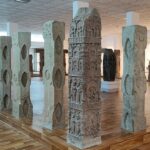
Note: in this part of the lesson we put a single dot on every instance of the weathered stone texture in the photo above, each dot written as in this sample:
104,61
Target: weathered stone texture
134,80
84,79
53,74
5,73
22,106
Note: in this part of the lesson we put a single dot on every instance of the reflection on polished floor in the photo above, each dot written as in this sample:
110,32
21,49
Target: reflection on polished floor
111,110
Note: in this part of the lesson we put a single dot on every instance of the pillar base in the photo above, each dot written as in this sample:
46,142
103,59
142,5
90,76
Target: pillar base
109,86
83,144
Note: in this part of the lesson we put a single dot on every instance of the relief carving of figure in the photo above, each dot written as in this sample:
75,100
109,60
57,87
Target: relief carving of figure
80,65
92,94
78,130
74,65
74,90
79,96
70,84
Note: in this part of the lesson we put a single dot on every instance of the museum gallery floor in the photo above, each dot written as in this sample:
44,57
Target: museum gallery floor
29,135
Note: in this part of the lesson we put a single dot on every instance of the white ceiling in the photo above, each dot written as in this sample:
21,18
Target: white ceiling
31,16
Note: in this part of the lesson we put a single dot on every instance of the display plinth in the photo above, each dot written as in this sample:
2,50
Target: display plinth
109,86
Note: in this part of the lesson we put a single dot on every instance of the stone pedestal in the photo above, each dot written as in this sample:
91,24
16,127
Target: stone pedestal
5,73
53,74
134,80
109,86
84,79
22,106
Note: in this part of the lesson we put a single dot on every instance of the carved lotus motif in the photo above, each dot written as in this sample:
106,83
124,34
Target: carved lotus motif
58,112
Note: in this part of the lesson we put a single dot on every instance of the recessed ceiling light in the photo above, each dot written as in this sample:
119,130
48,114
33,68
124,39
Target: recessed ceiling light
23,1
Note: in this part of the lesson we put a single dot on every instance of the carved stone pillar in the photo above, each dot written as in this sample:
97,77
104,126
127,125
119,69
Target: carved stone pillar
117,54
84,79
134,80
5,73
53,74
22,106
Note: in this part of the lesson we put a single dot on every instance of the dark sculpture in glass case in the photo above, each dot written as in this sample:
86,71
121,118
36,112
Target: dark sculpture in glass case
109,65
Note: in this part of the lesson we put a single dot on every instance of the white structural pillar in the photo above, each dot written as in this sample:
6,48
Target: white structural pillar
77,4
11,28
132,18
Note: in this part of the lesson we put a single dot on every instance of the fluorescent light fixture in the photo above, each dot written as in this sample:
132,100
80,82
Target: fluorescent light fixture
37,38
23,1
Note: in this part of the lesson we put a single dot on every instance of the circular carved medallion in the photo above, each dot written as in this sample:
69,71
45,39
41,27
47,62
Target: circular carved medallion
58,79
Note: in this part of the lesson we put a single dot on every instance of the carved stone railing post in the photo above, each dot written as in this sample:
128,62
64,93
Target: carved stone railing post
22,106
5,73
84,79
134,80
53,74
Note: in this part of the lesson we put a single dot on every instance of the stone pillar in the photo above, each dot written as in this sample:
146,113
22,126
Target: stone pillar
22,106
84,79
53,74
134,80
117,54
5,73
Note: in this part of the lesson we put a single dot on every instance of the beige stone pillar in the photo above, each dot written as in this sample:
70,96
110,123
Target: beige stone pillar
134,80
22,106
53,74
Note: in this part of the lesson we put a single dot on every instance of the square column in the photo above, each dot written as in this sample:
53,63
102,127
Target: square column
134,80
22,106
77,4
84,79
5,73
53,74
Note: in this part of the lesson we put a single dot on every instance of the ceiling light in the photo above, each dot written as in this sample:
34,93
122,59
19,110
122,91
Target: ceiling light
23,1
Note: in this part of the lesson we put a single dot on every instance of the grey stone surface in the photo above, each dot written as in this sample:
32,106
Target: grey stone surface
53,74
5,73
22,106
134,80
84,79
